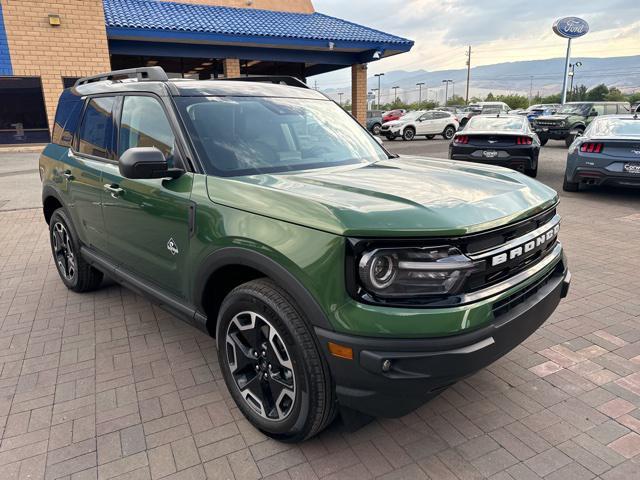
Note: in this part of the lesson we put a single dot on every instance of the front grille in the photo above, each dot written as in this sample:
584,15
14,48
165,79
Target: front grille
503,306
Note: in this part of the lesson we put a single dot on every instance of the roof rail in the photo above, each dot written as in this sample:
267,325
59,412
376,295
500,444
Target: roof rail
277,79
141,74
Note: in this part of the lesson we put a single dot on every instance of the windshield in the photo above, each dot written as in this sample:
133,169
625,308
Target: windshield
615,127
251,135
576,108
481,123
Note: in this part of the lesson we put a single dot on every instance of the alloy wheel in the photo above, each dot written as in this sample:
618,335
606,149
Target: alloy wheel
261,366
63,251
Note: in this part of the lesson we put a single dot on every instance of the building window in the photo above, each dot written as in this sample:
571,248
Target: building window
23,117
68,82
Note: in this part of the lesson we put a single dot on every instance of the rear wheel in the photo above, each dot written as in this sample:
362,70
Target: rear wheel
74,271
271,363
449,132
568,186
408,134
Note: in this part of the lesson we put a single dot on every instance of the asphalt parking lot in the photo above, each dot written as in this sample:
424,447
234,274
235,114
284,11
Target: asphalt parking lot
107,385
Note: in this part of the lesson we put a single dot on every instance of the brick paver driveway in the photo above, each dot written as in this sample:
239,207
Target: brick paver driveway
106,385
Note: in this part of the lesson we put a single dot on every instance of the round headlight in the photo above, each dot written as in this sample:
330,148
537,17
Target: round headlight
382,271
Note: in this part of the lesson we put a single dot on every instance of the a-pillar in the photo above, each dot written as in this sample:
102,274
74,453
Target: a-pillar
231,68
359,92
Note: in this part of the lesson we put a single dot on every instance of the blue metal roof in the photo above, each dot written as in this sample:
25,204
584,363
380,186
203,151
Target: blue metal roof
242,25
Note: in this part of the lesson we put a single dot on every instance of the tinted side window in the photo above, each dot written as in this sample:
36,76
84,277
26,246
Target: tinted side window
66,123
440,115
96,133
599,109
144,124
610,109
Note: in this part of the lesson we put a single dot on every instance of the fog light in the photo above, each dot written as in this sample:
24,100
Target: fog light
386,365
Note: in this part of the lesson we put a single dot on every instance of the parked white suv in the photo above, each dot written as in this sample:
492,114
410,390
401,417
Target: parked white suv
426,123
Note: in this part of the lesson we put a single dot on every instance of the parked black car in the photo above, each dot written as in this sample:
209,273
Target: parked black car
607,154
505,140
573,118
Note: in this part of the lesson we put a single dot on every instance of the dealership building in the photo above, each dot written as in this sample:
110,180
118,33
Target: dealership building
46,46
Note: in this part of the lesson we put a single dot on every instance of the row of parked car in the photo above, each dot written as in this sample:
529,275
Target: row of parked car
603,138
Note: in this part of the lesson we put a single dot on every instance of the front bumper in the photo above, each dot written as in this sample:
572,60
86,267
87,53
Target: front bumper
554,133
514,158
421,368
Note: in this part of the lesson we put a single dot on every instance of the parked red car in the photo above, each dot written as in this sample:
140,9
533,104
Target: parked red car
392,115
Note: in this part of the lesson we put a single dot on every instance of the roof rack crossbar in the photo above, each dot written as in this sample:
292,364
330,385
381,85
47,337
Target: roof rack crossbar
277,79
141,74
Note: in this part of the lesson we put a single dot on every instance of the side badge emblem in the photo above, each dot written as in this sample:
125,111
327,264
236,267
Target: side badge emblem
172,247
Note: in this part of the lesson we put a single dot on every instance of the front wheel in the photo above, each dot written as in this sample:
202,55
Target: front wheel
271,363
448,133
570,138
376,129
543,140
430,137
74,271
408,134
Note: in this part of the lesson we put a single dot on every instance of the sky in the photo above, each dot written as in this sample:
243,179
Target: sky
498,31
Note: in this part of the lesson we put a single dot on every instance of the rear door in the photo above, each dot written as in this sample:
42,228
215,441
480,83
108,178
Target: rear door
147,221
93,150
441,120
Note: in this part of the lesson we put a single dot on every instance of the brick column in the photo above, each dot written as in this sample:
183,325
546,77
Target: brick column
359,92
231,67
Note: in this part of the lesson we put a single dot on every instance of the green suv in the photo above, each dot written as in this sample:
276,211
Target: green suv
572,119
336,277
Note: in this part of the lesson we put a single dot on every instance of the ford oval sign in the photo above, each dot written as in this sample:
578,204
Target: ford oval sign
570,27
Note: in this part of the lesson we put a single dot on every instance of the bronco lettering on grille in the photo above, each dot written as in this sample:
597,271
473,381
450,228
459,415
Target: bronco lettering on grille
532,246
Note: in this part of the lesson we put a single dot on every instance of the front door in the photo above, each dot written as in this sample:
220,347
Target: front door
424,124
147,221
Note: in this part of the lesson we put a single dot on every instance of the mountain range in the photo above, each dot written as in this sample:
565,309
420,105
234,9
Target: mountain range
523,77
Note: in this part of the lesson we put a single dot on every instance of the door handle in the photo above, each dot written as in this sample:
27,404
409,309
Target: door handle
68,175
115,190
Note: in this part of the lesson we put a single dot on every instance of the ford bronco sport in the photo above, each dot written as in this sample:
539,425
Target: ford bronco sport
335,276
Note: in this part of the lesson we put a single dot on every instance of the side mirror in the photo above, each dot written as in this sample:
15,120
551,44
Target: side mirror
146,162
593,113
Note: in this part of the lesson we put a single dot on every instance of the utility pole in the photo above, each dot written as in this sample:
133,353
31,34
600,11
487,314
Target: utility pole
466,98
446,90
530,90
379,75
395,94
420,84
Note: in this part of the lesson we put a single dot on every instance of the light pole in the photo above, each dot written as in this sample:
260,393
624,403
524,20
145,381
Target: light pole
395,94
340,95
572,74
420,84
379,75
446,90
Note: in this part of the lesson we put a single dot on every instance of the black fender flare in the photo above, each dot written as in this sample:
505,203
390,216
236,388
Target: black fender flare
249,258
49,191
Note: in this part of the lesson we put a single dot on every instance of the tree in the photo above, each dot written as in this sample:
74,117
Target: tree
514,101
456,100
614,95
425,105
597,93
579,93
634,97
490,98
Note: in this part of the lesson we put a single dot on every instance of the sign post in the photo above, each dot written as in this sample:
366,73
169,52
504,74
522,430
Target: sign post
569,28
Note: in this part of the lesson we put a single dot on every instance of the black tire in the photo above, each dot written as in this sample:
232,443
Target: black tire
375,129
543,141
409,134
449,132
390,137
430,137
74,271
532,172
570,138
568,186
313,404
